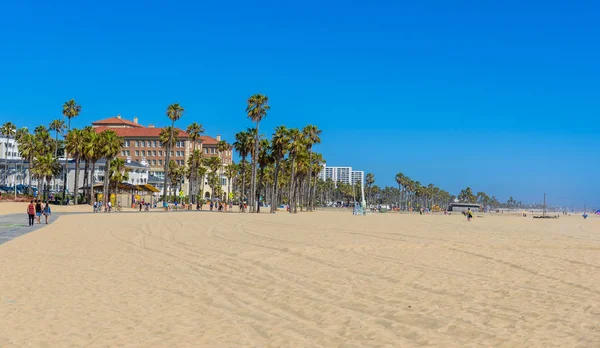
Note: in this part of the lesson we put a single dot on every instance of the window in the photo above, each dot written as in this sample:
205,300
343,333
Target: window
212,150
153,153
153,162
205,150
143,153
137,143
126,143
172,153
122,153
128,153
137,153
154,143
160,162
160,153
143,143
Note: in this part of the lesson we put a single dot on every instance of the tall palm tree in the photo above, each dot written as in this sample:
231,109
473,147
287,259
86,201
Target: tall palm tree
214,164
264,160
279,146
109,146
231,172
70,110
90,154
242,144
168,138
369,181
46,167
75,146
296,145
194,131
174,113
27,148
201,174
8,130
312,137
118,172
257,107
57,126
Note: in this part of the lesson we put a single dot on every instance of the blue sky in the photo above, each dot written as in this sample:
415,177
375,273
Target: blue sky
502,96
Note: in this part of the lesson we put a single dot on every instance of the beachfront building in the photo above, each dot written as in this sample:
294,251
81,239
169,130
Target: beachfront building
342,174
463,207
142,144
10,158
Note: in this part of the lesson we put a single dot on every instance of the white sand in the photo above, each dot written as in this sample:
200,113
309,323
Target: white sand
310,280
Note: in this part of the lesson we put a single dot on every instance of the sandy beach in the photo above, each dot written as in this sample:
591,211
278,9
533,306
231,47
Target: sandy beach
323,279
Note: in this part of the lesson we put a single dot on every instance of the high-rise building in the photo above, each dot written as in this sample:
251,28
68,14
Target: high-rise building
342,174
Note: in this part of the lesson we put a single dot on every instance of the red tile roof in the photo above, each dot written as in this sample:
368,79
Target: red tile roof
117,121
141,132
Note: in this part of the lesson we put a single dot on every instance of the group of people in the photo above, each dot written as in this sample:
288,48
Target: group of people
108,208
35,210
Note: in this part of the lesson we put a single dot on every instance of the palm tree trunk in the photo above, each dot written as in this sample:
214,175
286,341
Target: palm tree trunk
253,180
274,203
243,182
167,159
91,182
105,186
291,199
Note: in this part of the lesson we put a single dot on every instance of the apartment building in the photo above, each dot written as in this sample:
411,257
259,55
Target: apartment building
342,174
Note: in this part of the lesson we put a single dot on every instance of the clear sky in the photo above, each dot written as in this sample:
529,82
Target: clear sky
503,96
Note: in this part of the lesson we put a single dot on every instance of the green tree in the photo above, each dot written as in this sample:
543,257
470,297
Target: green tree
46,166
110,145
279,147
75,144
174,113
257,107
118,173
312,136
243,144
194,131
467,196
70,110
8,130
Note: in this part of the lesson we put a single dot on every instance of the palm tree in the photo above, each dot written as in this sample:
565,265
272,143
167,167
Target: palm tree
75,144
70,110
174,113
91,153
369,181
168,138
242,145
264,160
194,131
57,126
109,146
279,145
231,172
46,167
118,172
27,148
296,146
201,173
213,163
8,130
312,137
257,110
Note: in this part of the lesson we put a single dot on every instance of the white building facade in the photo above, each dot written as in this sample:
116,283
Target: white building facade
342,174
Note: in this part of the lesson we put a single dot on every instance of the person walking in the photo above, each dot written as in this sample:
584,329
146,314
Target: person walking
469,215
47,212
38,211
31,213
